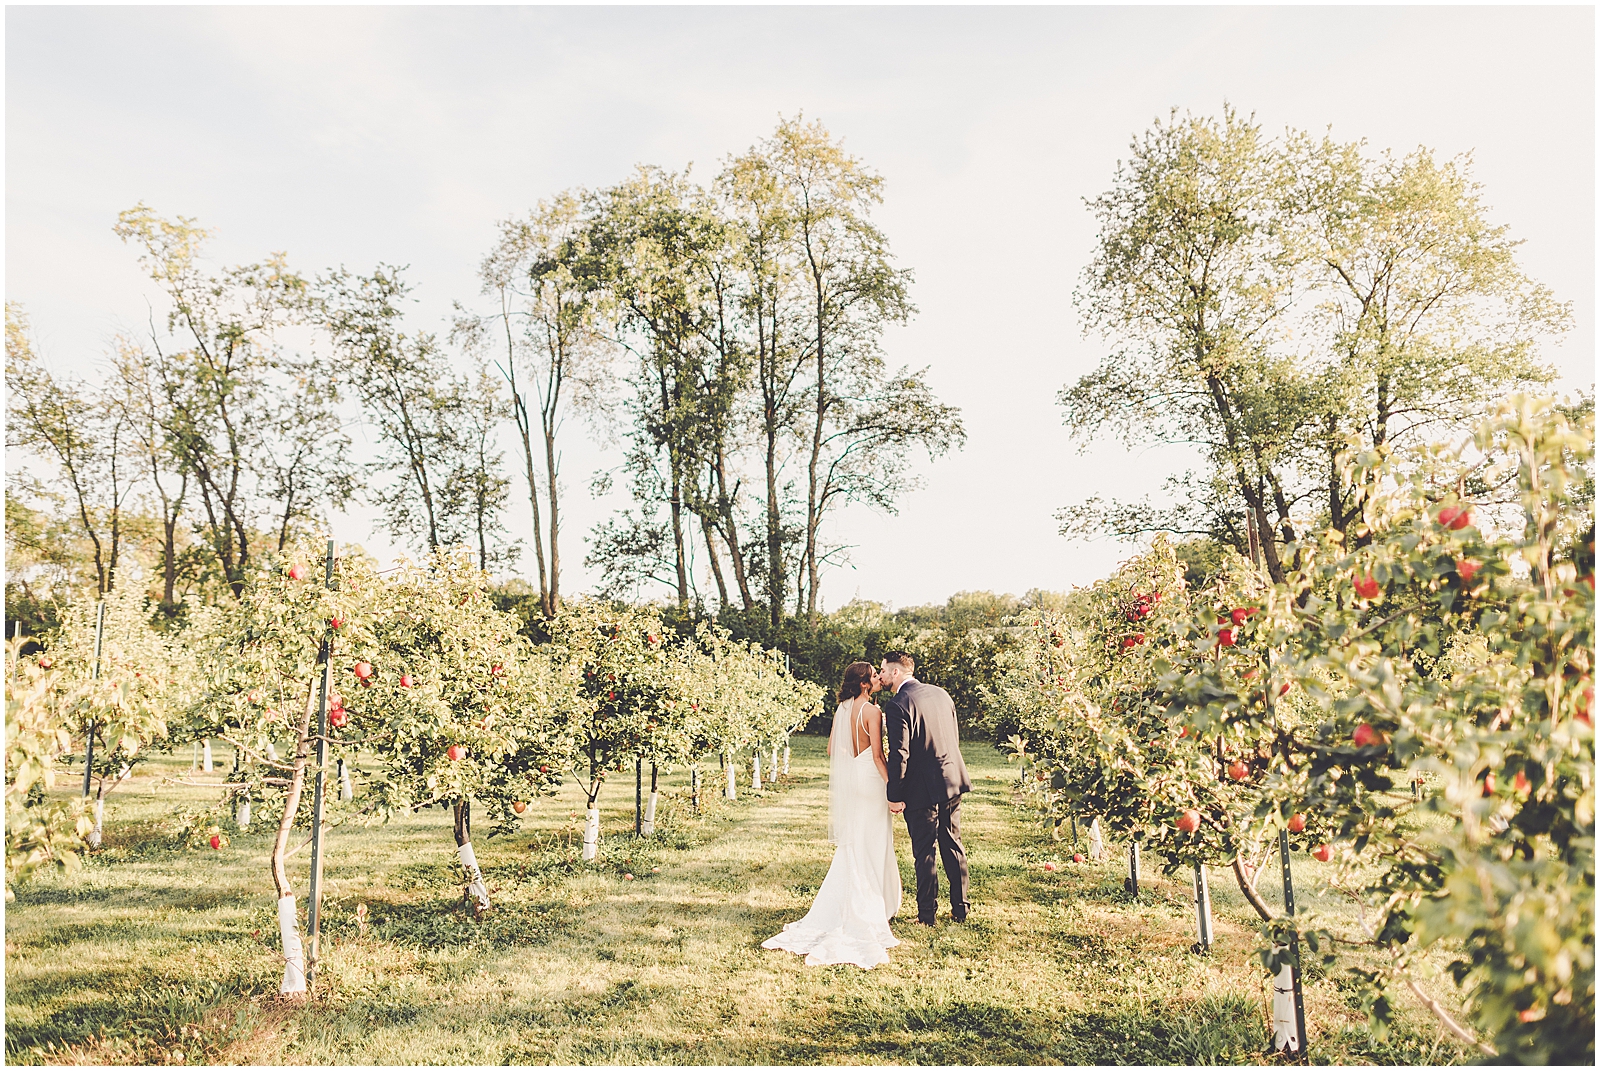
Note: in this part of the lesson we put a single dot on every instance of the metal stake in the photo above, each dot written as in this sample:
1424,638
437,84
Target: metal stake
1294,943
1202,906
88,747
638,797
1133,868
314,913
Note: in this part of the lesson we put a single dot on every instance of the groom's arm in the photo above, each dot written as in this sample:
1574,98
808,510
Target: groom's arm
899,749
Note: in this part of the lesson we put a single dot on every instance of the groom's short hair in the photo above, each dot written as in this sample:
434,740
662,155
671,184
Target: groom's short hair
900,658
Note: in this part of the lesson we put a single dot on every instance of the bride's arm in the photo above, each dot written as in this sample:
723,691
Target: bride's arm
875,727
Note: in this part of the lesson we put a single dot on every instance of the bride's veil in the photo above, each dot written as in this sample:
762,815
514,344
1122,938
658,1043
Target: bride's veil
842,746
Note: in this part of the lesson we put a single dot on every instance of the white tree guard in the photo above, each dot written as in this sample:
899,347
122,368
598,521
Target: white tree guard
99,823
591,834
272,751
755,771
733,788
205,756
244,815
124,773
294,956
347,791
1097,844
1284,1033
772,769
648,826
786,760
475,886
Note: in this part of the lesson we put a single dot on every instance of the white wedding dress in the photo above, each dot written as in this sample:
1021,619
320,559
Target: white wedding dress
849,920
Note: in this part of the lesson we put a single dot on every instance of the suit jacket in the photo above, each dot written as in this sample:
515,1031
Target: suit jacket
925,763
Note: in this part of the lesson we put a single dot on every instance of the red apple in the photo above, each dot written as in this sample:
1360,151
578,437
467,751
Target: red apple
1585,704
544,769
1133,641
1522,784
1488,783
362,670
1238,770
1285,689
497,670
338,718
1225,638
1322,852
1297,823
456,752
1365,735
1183,730
254,698
1239,615
1455,518
405,680
216,840
335,622
1076,858
627,877
519,806
612,696
1049,866
1366,587
335,701
45,662
297,572
1188,821
1466,569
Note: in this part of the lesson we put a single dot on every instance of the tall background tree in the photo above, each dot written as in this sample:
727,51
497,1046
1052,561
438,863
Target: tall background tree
1270,300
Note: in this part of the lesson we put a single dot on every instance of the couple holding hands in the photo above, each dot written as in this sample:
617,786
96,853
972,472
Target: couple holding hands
923,777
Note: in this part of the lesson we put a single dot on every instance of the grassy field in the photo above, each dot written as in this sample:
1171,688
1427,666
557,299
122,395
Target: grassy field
158,955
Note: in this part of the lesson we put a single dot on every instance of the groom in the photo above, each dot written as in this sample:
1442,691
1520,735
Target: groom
926,779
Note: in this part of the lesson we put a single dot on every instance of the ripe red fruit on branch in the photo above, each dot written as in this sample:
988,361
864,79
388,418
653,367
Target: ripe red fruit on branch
1297,823
1188,821
456,752
1243,613
1585,704
297,572
1366,587
1285,689
1455,518
1466,569
338,718
254,698
335,622
1238,770
612,696
362,670
497,670
1365,735
1322,852
1521,783
45,662
405,680
1133,641
1225,638
544,769
216,841
1488,783
1183,730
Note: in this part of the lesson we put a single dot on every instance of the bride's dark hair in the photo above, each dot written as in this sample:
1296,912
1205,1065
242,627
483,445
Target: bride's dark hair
855,675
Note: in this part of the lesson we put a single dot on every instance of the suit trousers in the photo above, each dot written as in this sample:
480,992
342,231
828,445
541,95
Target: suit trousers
939,825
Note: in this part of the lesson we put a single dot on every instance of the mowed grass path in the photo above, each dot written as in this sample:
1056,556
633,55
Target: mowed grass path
164,956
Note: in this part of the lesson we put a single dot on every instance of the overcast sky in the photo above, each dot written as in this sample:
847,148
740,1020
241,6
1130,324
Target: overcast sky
358,135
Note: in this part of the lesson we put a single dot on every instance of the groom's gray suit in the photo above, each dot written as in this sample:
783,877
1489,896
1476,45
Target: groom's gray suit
928,775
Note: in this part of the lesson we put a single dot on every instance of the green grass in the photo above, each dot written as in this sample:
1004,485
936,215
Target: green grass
151,951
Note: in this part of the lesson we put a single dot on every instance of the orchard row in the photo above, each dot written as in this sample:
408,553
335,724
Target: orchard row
405,690
1413,704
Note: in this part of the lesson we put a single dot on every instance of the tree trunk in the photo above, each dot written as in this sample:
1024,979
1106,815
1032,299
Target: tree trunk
476,892
551,467
294,970
716,564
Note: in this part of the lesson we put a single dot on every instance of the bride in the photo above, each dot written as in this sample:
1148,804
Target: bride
849,920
